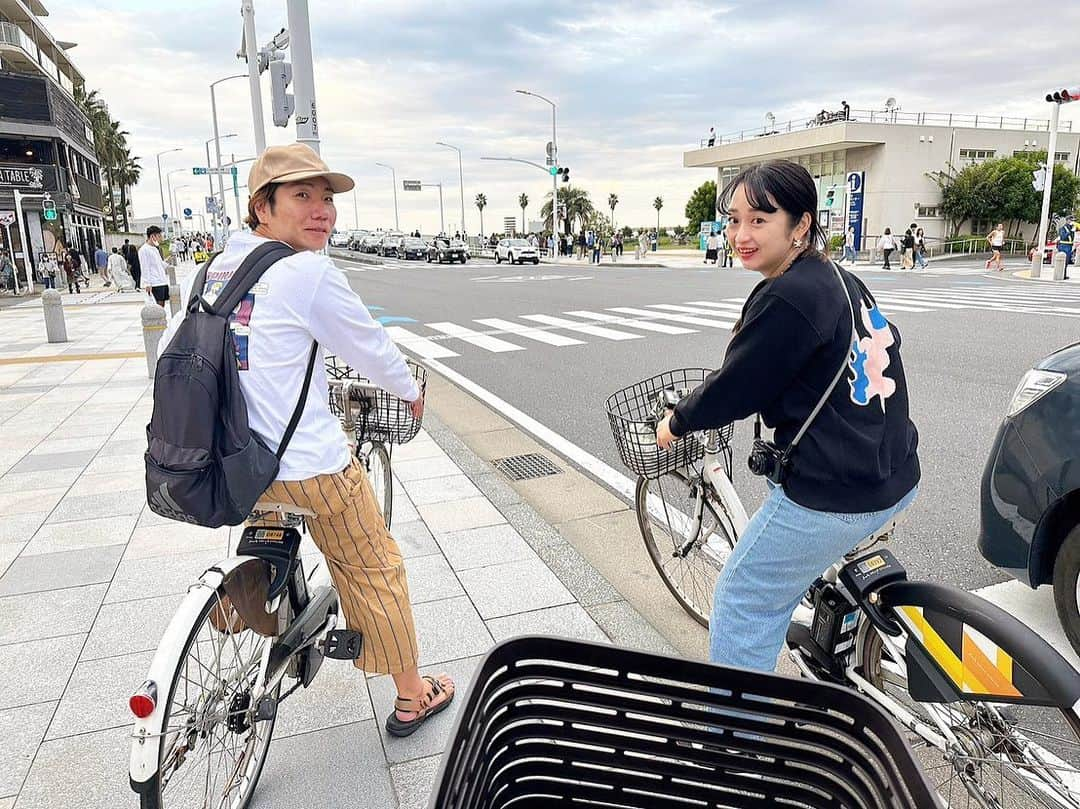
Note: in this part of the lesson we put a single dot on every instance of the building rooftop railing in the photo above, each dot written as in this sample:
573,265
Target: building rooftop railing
11,34
895,116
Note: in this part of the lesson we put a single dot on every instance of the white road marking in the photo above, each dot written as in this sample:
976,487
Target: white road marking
911,299
570,325
694,321
644,325
551,338
734,307
421,345
477,339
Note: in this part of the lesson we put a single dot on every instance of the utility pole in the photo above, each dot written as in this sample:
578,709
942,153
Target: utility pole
307,116
554,163
1056,98
442,216
393,180
461,182
251,49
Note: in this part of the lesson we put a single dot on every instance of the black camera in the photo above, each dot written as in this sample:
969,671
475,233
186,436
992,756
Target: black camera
769,461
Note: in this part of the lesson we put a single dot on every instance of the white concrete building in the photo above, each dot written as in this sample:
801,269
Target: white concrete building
893,151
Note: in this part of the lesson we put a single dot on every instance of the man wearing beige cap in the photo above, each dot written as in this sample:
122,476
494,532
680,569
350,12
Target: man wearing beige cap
300,299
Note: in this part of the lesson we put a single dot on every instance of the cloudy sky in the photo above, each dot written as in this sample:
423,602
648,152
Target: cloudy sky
637,83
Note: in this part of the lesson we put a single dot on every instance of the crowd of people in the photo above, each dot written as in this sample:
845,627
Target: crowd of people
912,246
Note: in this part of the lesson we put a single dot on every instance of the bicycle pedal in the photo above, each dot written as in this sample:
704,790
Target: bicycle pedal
343,644
266,709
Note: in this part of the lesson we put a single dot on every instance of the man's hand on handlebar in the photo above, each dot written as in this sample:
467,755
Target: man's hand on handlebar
664,437
417,407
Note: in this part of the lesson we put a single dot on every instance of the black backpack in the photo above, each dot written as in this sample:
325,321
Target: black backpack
204,465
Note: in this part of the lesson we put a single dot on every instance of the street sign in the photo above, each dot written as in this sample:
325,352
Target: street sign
856,183
212,205
197,170
187,212
201,170
7,218
410,185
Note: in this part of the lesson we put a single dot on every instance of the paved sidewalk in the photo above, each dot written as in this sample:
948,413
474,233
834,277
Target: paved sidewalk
89,579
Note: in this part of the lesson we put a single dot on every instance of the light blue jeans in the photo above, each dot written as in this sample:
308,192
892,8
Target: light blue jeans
784,548
849,253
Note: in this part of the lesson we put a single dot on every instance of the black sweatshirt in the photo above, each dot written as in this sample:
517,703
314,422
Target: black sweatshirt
859,454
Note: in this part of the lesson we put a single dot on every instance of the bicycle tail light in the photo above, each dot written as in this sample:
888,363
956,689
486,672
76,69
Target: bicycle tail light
1032,387
143,701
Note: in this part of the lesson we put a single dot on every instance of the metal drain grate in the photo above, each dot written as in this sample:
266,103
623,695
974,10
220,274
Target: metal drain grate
526,467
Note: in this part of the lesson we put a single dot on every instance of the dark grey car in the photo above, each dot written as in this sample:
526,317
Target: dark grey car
1030,495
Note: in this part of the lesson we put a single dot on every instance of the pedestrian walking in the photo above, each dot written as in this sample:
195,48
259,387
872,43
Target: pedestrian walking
712,248
849,245
118,271
101,259
72,265
155,279
551,245
1066,239
886,244
654,240
7,271
710,139
643,245
597,248
178,247
996,239
581,245
131,254
49,269
907,250
727,253
920,249
562,244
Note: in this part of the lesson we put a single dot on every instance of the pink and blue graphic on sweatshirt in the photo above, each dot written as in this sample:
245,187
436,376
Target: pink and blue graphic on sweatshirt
870,357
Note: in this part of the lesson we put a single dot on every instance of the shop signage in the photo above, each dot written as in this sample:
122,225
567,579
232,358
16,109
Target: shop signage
32,177
856,181
7,218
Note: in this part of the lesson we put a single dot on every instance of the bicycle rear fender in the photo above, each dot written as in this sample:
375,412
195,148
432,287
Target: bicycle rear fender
962,647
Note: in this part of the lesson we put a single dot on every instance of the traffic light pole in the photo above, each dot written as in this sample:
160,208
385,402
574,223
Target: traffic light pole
306,114
1044,223
251,47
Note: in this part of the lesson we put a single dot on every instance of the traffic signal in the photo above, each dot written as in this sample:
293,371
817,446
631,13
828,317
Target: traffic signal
830,196
48,207
281,102
565,172
1064,96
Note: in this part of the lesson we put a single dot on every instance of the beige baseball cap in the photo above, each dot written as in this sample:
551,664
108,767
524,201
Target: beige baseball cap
287,164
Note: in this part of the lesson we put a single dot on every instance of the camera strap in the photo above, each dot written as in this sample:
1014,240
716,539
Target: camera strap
836,379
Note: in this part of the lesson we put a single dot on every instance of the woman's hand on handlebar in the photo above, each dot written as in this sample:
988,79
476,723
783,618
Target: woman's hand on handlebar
664,437
417,407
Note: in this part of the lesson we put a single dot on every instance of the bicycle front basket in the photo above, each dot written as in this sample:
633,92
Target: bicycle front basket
390,420
549,722
630,411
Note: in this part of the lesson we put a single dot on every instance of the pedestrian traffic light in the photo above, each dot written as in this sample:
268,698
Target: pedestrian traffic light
553,170
1064,96
830,196
281,102
565,172
48,207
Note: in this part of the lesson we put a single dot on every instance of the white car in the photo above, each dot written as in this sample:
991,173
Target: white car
339,238
516,251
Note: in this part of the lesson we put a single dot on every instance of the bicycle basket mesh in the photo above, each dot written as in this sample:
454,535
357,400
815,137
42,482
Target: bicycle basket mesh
385,417
630,412
549,722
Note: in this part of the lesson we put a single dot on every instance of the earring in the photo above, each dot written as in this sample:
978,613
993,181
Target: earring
796,243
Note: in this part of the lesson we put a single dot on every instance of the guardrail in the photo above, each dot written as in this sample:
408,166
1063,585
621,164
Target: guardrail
889,117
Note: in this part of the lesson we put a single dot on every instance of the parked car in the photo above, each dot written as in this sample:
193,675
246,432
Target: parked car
370,243
1030,493
388,245
355,238
516,251
412,247
445,249
339,238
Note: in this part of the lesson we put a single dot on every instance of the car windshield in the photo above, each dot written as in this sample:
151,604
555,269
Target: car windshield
414,242
519,243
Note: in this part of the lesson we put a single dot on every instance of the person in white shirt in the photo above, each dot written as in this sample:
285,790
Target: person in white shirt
300,299
155,278
886,244
712,248
115,268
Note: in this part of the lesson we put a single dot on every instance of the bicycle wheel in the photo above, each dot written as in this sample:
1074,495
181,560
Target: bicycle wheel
687,554
993,755
376,460
212,749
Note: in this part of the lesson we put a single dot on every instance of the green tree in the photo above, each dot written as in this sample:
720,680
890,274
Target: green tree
481,203
127,176
701,206
578,208
612,201
523,203
658,203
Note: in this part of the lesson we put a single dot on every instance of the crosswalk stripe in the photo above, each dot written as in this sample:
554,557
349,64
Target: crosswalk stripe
644,325
899,307
1006,296
551,338
906,299
694,321
485,341
595,331
735,307
1007,304
421,345
691,310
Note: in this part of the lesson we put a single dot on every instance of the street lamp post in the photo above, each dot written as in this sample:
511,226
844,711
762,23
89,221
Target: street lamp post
209,176
554,162
355,211
393,176
161,185
217,144
236,190
172,207
461,182
442,216
176,205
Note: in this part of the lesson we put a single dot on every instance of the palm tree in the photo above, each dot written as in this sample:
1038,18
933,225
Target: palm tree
481,203
612,201
127,176
658,203
523,203
577,204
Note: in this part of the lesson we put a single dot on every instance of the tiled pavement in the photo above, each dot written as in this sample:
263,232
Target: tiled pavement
89,579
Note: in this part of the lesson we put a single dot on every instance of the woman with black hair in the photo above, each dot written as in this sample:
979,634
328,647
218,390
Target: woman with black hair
815,359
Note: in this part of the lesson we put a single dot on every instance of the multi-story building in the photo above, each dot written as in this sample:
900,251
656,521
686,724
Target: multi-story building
886,157
46,143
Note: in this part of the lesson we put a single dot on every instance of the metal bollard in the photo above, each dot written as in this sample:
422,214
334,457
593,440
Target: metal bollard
174,298
1059,266
53,306
171,270
1036,265
153,324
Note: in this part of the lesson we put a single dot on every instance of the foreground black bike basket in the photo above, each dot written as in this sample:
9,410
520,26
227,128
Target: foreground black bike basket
390,420
550,722
631,412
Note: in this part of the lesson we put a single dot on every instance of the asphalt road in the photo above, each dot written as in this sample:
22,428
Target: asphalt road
967,339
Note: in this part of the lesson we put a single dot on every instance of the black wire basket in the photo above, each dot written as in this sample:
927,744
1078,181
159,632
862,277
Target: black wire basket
549,722
376,415
632,411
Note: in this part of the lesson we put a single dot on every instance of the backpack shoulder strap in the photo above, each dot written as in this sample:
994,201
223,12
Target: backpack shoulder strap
295,420
199,284
248,274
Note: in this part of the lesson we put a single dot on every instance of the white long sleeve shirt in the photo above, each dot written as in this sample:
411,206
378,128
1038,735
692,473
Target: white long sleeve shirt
152,264
300,299
116,264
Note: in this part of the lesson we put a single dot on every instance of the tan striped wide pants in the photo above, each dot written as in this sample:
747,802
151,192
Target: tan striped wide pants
364,561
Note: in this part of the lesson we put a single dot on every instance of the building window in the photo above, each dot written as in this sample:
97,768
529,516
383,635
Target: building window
976,155
928,212
980,227
1061,157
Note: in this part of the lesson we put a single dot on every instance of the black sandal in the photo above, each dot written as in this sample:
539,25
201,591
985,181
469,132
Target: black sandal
421,706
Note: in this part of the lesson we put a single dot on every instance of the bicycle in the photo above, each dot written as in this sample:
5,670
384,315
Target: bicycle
992,710
251,626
